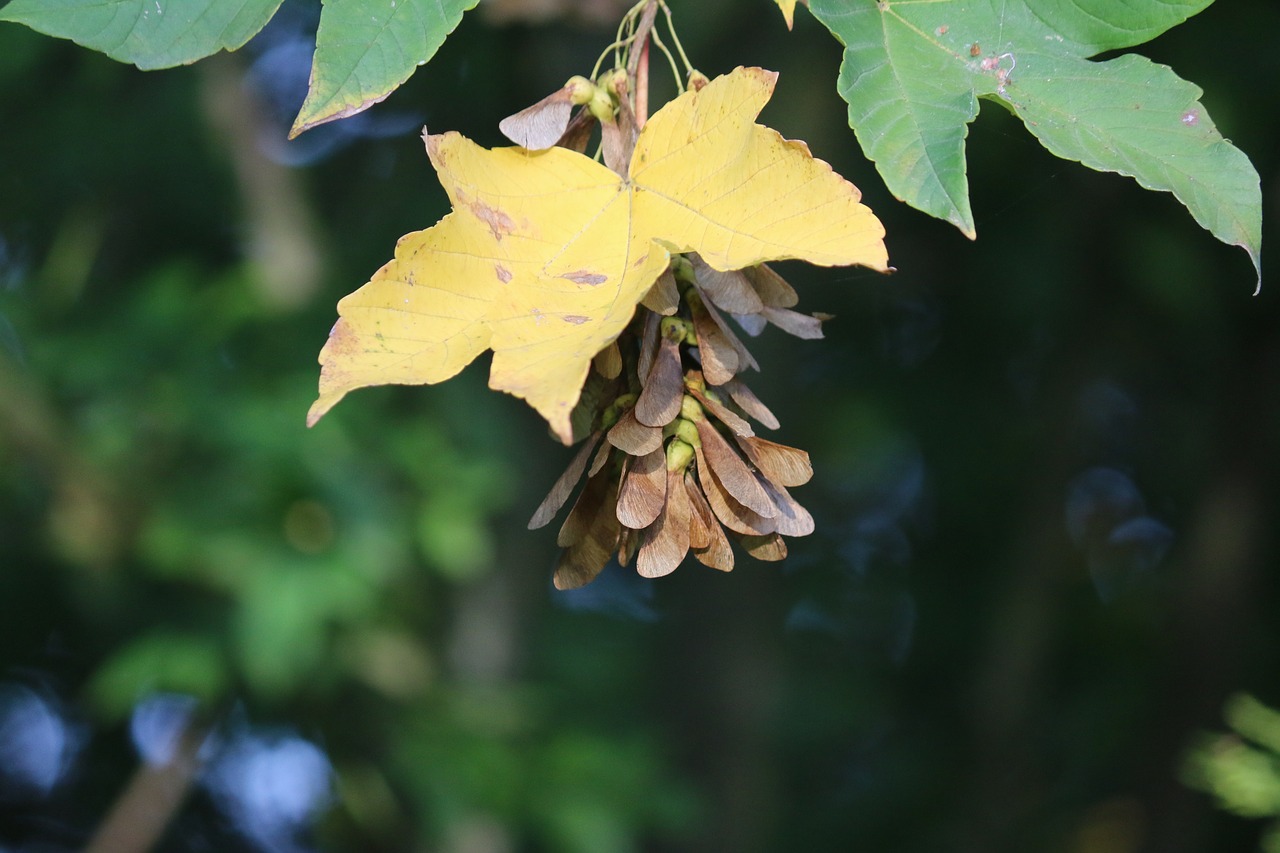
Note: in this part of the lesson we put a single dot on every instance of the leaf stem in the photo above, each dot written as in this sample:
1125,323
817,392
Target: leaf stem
675,71
675,39
622,42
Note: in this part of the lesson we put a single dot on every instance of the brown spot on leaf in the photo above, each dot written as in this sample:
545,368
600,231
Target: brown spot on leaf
585,277
504,274
499,223
575,319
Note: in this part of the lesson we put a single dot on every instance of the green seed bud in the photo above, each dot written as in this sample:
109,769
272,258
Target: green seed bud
601,105
681,268
674,328
615,81
688,433
679,455
580,89
690,409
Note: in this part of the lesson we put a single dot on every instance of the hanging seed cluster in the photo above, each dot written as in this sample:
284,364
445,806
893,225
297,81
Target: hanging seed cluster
673,464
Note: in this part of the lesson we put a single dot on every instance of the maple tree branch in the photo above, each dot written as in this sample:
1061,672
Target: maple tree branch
138,818
638,66
642,86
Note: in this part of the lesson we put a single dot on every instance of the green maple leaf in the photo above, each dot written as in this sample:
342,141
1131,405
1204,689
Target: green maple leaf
913,73
147,33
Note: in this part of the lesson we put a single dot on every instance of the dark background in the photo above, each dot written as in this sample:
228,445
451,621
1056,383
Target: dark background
1045,492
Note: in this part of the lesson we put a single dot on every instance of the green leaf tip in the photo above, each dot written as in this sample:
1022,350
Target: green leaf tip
365,50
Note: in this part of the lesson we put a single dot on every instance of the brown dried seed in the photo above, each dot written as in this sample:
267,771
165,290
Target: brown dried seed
608,362
664,544
773,289
792,519
711,547
730,291
693,383
580,563
745,359
720,361
750,403
731,514
564,485
631,436
786,466
628,539
664,297
602,456
541,125
728,467
804,326
581,516
644,489
648,343
700,518
659,401
772,547
752,324
629,130
617,142
577,135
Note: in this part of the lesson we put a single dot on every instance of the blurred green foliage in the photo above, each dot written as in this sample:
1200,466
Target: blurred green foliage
1045,491
1242,770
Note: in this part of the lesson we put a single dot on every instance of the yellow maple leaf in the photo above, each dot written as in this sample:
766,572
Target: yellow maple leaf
788,8
546,253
